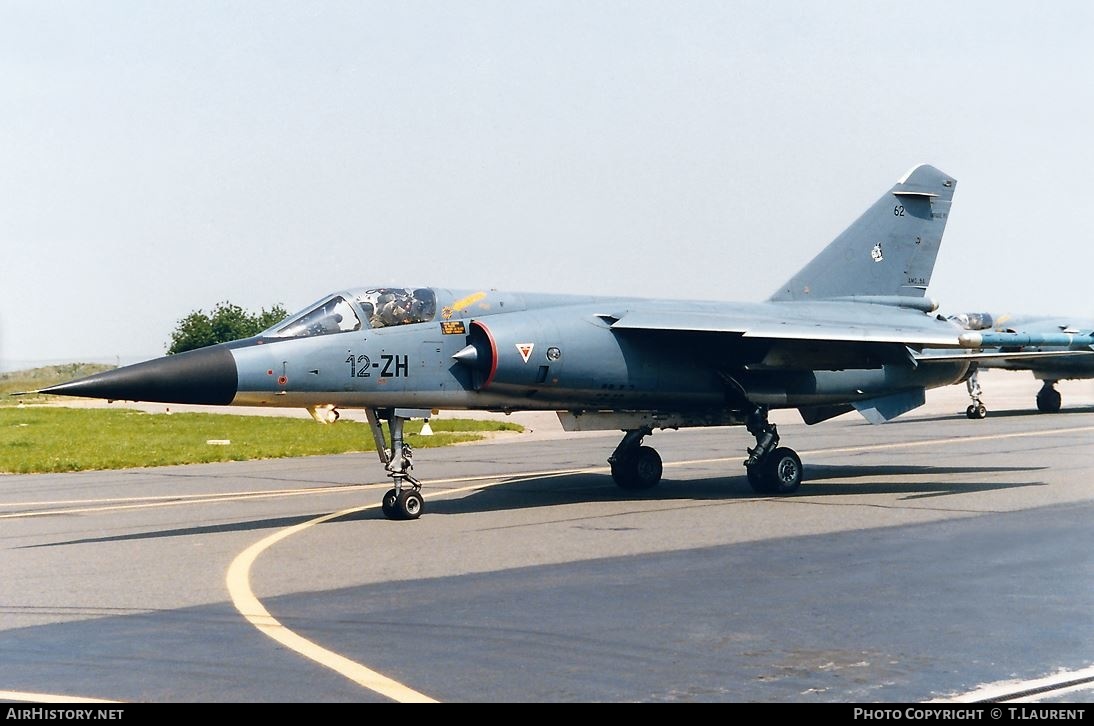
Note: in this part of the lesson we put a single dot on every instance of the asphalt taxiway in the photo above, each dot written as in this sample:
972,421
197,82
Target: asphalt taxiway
921,560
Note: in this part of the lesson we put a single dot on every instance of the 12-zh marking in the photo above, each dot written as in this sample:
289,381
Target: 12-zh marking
390,366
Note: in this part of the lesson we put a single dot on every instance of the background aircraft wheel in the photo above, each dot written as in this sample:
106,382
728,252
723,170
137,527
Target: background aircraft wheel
782,470
388,504
410,504
1049,400
640,470
974,411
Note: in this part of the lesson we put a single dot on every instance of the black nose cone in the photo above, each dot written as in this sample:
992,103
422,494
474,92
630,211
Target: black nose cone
203,376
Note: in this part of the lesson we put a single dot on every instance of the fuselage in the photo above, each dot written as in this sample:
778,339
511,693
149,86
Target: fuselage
560,352
435,348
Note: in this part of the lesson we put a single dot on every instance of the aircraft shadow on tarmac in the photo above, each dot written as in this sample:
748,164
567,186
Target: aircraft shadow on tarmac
920,489
583,488
588,488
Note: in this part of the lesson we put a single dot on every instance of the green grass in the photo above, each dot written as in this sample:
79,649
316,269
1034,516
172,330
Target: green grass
37,439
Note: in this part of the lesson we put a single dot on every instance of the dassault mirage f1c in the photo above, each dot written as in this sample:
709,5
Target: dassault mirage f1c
851,330
1053,348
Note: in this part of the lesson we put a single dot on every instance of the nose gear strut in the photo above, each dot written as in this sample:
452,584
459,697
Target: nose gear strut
404,500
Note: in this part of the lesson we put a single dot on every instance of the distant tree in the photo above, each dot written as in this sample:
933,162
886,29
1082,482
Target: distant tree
225,322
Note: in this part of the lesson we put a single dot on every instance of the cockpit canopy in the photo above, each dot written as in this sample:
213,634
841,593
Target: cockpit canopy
372,308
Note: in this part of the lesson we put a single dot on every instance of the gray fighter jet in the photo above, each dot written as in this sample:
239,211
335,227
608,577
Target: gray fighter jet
851,330
1053,348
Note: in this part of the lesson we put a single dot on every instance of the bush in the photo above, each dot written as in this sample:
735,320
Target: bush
226,322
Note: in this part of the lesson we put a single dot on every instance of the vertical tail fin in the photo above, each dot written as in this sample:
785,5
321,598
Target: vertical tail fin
889,250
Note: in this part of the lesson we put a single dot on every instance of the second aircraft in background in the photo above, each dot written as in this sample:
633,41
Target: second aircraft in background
1053,348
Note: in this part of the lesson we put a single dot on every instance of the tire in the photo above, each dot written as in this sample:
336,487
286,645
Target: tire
388,505
624,472
782,471
648,468
1049,400
410,504
639,470
757,481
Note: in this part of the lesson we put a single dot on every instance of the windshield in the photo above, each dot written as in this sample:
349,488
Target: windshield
386,306
335,315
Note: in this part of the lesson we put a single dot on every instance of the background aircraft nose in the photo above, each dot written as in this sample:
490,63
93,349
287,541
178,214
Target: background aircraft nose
203,376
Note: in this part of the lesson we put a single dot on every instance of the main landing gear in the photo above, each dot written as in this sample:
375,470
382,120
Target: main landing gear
404,500
1048,398
635,466
772,469
976,409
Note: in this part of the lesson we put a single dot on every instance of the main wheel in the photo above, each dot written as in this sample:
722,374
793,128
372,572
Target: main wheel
388,504
410,504
782,471
756,479
648,468
638,470
1049,400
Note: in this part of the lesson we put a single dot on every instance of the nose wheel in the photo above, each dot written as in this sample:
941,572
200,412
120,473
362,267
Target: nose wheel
405,504
976,409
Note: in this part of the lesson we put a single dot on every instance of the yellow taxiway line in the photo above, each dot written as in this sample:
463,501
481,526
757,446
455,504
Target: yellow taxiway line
249,606
238,581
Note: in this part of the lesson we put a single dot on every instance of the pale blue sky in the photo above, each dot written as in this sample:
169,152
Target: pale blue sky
159,157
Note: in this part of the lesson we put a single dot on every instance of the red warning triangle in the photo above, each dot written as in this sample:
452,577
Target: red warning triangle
525,350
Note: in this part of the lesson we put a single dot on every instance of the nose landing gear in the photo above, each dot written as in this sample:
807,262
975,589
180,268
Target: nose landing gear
404,500
976,409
